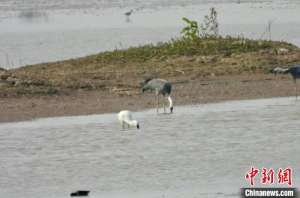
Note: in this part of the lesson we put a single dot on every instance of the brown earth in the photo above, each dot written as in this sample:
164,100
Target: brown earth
185,92
204,70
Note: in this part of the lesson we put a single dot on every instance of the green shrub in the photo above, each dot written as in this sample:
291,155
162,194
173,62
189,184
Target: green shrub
191,31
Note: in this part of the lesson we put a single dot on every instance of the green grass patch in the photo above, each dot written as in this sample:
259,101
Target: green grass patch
223,46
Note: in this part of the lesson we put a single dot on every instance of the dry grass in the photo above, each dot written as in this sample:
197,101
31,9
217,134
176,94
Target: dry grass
122,70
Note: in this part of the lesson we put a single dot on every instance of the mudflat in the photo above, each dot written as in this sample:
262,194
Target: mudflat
202,70
223,88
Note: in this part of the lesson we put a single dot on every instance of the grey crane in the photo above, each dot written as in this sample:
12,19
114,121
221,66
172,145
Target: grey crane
295,72
161,87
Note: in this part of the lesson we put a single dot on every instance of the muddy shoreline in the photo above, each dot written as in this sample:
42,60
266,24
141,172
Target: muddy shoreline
201,71
239,87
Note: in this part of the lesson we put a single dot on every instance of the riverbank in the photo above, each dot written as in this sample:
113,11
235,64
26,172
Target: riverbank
97,102
207,70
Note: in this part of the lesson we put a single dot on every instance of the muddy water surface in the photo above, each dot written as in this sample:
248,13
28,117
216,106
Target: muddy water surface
199,151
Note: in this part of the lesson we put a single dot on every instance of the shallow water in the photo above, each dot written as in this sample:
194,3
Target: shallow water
199,151
42,31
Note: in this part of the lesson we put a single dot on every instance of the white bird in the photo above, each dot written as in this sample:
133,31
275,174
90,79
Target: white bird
125,118
279,70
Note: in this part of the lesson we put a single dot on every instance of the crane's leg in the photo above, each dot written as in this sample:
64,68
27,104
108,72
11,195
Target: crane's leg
296,88
164,104
157,105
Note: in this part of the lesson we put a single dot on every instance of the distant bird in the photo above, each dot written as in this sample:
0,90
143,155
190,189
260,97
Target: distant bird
80,193
125,118
295,72
128,13
279,70
160,86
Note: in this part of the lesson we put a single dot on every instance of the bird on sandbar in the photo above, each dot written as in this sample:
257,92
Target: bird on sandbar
128,13
279,70
161,87
295,72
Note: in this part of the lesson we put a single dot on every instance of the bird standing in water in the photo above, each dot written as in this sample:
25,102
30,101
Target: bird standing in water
125,118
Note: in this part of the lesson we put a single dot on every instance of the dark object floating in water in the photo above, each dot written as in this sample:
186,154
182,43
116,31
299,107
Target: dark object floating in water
80,193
